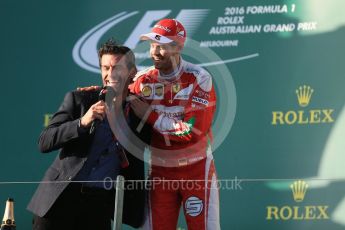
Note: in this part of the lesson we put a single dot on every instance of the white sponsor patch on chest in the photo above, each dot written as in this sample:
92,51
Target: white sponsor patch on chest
171,111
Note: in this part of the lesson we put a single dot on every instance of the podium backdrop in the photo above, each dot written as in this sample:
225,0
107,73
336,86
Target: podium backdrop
279,71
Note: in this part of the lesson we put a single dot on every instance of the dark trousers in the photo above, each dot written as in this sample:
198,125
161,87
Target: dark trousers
79,208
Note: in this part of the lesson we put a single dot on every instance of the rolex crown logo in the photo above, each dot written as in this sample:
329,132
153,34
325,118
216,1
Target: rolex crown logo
299,189
304,95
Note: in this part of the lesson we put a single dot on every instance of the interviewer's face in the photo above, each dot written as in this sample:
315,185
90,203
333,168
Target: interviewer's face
115,72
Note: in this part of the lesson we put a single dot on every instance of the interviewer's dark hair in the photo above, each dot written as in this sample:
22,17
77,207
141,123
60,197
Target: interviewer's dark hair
111,47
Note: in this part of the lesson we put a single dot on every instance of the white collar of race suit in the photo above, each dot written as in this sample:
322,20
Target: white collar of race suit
174,75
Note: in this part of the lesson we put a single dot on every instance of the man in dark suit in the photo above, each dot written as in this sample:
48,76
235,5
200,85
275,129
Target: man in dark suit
76,191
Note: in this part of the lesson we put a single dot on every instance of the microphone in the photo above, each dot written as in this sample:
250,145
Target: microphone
107,94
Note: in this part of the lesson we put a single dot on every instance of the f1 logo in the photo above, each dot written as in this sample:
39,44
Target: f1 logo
85,52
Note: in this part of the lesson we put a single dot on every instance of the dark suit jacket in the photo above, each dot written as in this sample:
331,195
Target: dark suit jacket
63,133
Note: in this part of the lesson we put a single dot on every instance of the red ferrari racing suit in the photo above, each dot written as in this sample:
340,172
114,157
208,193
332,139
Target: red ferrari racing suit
182,166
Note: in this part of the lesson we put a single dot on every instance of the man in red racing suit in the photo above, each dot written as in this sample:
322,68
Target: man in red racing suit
182,102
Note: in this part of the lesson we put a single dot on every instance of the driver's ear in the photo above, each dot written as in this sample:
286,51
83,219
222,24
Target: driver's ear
178,48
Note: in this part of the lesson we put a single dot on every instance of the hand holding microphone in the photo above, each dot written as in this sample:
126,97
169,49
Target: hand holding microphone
97,111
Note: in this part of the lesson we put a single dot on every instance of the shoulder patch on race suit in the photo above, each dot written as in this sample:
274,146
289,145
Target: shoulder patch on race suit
146,90
142,72
193,206
203,78
184,94
200,100
158,91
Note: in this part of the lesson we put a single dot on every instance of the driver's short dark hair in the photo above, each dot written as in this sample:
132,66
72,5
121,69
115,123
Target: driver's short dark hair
112,47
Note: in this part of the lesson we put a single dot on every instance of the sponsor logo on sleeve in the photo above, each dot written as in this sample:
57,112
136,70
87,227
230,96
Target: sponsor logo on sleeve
203,94
200,100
